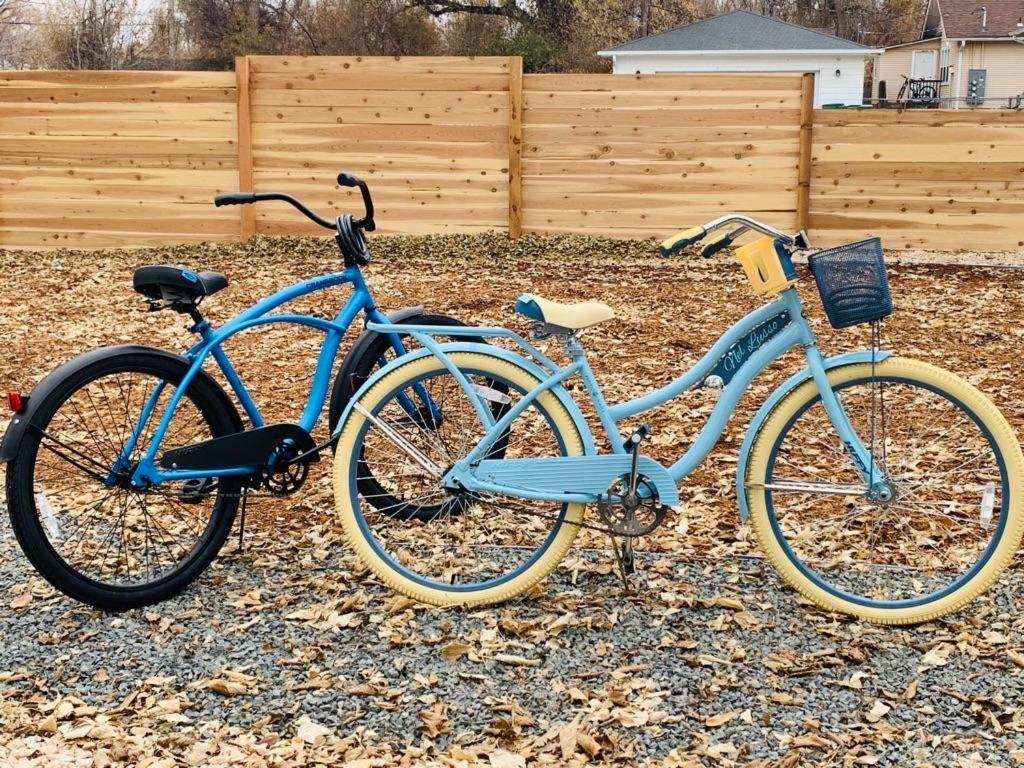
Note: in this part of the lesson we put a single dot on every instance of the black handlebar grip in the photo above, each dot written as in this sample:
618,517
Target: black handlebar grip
234,198
348,180
715,246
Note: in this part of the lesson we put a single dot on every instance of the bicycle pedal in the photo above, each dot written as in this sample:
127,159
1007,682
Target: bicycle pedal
640,434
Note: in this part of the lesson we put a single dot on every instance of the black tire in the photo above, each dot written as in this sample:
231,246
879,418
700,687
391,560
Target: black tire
362,369
213,416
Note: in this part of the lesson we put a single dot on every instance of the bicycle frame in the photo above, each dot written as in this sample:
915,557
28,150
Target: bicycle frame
147,473
757,351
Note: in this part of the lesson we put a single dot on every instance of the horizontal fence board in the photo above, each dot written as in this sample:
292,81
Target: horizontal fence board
413,84
116,95
29,238
271,133
223,113
355,67
341,100
412,114
12,127
99,79
924,117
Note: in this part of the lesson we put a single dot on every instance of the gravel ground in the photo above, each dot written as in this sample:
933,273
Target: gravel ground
785,676
289,653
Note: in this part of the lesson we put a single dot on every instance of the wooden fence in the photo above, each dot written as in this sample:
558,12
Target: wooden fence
93,159
99,159
921,178
431,134
646,155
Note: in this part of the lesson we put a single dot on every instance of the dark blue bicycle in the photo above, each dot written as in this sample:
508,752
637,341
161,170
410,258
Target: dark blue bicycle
127,465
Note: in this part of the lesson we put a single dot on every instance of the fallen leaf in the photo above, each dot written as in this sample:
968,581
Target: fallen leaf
721,719
516,661
456,650
880,710
503,759
310,731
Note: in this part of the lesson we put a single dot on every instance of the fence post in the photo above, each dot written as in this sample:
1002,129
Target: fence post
247,215
515,146
803,189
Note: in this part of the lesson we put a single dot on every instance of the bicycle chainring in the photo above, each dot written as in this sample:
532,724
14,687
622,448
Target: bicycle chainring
284,476
628,514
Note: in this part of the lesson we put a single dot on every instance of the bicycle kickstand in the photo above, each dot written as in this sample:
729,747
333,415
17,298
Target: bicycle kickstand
241,520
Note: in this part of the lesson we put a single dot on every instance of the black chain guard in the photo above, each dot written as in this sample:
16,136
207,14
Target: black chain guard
253,447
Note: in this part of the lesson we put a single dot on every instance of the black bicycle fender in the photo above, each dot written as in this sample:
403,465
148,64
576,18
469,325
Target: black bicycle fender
349,363
21,421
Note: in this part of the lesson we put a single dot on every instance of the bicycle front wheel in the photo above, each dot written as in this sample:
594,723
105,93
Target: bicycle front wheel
957,473
473,548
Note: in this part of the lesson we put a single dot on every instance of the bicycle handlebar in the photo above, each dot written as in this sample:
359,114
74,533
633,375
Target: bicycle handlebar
244,198
696,234
344,180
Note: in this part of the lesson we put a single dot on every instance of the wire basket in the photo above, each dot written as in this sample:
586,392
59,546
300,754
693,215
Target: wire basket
853,283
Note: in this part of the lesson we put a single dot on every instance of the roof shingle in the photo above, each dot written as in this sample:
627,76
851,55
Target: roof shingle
962,18
738,31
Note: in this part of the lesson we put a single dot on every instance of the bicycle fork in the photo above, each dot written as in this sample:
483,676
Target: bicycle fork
876,483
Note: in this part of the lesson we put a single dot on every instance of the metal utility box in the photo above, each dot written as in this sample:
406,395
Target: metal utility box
976,87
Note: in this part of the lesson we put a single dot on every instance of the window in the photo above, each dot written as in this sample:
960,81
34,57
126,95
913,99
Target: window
944,65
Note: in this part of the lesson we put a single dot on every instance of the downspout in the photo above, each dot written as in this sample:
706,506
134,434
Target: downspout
959,69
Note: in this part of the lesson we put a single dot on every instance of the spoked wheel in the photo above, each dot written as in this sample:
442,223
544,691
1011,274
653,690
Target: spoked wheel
378,354
473,548
75,515
956,472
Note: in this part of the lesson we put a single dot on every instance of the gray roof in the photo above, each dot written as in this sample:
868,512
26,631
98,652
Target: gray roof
738,31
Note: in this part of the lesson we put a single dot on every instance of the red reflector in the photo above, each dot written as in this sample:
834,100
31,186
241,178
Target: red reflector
16,402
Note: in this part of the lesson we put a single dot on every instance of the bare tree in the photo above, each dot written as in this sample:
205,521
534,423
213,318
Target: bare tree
94,34
373,28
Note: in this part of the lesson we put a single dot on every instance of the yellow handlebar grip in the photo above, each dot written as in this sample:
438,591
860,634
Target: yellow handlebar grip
679,241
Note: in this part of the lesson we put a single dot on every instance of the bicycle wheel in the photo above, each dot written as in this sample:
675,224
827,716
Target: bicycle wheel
102,542
375,356
953,524
481,548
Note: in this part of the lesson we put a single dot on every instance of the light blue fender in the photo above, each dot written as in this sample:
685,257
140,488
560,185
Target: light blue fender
525,363
837,361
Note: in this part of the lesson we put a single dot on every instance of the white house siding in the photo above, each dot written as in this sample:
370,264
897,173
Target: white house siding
845,88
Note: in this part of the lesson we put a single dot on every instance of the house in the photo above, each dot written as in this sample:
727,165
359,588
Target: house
971,50
742,41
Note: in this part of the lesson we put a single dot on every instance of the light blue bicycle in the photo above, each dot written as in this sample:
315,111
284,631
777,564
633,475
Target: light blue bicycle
879,486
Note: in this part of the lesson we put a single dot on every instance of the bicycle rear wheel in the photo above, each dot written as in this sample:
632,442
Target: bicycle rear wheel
956,518
76,518
476,548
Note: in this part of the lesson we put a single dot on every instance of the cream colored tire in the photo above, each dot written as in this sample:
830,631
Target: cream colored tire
348,451
969,396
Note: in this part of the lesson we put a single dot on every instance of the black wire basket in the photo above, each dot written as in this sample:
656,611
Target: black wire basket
853,283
